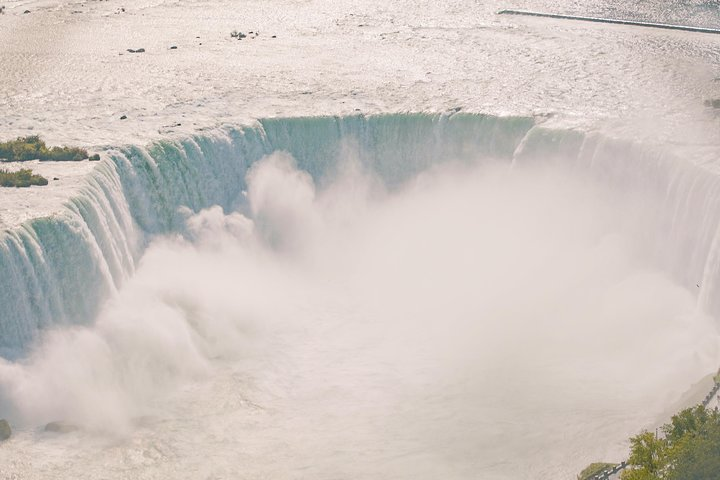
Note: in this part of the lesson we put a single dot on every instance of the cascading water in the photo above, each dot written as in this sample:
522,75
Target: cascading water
219,254
57,270
60,269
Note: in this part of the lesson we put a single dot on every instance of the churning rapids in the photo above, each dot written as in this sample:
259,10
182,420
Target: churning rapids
399,296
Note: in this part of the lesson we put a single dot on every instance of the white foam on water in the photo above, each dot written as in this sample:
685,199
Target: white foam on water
479,321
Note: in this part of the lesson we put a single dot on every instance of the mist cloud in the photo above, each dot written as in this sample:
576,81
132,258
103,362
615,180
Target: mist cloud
476,313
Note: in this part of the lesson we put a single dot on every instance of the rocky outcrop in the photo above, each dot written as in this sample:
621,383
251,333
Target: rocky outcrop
5,430
60,427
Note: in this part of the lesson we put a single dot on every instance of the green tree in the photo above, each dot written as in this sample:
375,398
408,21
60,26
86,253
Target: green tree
696,456
638,474
647,459
690,449
688,422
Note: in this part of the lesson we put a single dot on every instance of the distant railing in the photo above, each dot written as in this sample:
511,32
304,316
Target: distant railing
708,398
605,474
633,23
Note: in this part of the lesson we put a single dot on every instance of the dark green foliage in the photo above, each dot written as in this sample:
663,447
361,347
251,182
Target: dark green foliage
21,178
686,423
647,457
690,449
33,148
94,158
594,469
696,454
699,456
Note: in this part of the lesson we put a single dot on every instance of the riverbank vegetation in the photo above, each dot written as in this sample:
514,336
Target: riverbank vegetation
21,178
33,148
687,449
594,469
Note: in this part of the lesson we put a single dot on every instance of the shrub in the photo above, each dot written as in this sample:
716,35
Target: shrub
21,178
33,148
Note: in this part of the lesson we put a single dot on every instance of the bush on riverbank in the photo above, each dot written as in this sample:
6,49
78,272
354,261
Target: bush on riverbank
21,178
33,148
594,469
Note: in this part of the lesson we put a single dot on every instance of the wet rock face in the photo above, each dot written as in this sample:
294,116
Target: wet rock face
5,430
60,427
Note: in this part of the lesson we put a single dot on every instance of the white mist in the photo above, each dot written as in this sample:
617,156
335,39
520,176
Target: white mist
480,322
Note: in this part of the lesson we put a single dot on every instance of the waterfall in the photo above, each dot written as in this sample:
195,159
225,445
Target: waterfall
58,270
